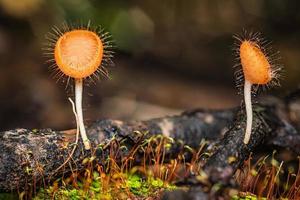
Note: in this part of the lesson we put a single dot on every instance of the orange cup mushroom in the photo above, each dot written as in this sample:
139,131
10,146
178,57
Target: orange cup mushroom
256,66
257,70
79,54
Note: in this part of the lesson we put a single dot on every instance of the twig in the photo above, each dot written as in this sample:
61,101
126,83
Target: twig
76,140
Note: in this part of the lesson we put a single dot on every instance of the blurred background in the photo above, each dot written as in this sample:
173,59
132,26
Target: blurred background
172,55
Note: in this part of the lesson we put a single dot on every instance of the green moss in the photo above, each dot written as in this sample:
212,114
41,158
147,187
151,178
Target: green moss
8,196
118,181
130,185
247,197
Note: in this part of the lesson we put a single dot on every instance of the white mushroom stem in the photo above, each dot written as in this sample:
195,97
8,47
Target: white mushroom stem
78,104
248,105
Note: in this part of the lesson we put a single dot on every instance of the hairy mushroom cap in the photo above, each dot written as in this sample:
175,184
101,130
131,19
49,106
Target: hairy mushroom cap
78,53
256,67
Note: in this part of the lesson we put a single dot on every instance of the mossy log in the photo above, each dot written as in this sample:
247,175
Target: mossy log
31,157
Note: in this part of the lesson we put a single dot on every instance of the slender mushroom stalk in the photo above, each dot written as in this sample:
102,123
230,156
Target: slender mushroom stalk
78,104
258,70
79,53
248,105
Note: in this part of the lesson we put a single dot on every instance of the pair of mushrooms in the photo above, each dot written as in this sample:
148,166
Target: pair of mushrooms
79,53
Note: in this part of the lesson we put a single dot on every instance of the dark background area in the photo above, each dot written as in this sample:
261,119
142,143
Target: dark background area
172,55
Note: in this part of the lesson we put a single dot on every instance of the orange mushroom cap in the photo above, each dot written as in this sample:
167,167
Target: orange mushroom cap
256,67
78,53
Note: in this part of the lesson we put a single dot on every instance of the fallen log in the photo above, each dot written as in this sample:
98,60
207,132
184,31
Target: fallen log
29,157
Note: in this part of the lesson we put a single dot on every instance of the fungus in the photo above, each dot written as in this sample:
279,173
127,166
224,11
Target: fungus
257,69
79,53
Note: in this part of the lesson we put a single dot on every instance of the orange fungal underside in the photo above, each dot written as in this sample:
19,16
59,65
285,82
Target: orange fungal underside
256,67
78,53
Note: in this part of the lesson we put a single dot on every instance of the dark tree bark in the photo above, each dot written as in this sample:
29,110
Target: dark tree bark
32,156
230,153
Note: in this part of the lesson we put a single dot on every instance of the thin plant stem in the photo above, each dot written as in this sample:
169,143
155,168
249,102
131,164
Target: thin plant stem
76,140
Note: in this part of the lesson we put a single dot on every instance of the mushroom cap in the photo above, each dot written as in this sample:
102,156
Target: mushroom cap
255,64
78,53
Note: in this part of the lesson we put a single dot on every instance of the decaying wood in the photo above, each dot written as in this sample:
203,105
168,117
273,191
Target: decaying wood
230,153
30,156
